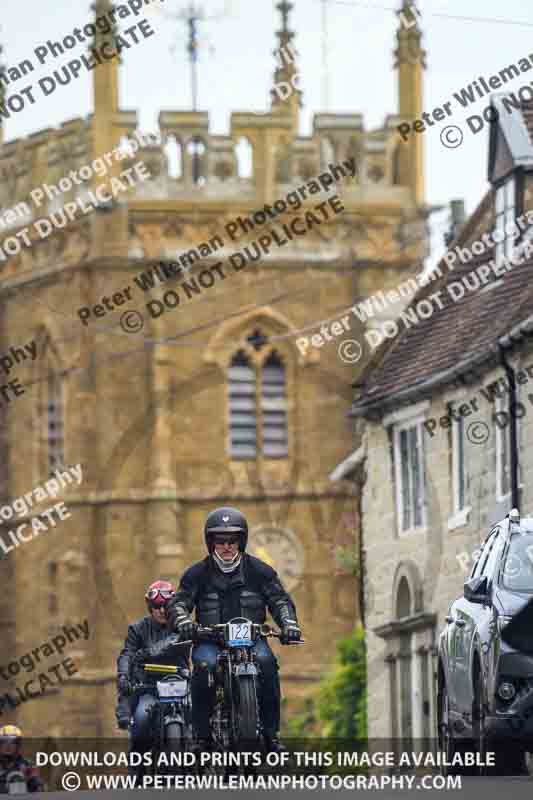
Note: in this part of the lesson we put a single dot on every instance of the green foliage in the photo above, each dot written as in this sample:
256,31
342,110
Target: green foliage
341,700
305,724
338,708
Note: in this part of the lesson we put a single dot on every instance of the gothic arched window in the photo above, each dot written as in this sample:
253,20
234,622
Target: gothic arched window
174,155
54,422
245,158
274,408
257,387
242,405
50,412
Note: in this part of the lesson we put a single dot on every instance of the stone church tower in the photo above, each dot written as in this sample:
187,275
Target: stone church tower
210,402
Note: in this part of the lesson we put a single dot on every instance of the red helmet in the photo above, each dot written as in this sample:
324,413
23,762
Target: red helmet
158,593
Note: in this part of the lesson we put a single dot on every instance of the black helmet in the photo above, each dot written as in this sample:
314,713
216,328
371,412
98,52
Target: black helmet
226,520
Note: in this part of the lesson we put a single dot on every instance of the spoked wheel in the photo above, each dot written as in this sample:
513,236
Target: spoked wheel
175,746
247,716
245,724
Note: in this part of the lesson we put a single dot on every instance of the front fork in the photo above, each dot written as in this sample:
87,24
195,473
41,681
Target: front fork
231,665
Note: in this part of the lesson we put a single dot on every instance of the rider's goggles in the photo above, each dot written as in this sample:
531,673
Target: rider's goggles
231,539
154,594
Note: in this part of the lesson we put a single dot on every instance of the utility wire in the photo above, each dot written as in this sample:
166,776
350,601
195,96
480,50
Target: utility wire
435,14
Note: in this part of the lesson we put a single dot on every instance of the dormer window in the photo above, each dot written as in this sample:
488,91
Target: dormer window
505,219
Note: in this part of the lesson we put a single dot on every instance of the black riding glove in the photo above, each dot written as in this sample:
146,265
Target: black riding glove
123,684
123,723
290,632
184,627
142,655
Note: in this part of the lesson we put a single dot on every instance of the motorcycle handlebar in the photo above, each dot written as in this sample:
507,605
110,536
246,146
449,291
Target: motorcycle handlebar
216,631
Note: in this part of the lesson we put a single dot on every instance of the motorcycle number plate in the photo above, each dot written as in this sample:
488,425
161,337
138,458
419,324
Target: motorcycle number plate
172,688
240,633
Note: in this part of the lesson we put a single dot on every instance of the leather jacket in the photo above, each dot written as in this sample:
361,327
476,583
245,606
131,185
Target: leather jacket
144,634
218,597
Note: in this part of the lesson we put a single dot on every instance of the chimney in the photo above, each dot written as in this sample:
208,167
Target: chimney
458,218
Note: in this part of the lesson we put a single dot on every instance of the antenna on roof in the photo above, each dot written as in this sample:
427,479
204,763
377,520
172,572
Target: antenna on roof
192,15
325,67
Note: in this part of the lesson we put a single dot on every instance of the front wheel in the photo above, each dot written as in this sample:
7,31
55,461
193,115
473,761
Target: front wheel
174,747
479,711
449,745
246,710
445,734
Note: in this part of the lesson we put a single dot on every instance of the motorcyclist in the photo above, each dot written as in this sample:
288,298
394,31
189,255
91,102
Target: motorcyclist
231,583
147,639
13,766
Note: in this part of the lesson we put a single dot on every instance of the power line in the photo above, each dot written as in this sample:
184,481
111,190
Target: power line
435,14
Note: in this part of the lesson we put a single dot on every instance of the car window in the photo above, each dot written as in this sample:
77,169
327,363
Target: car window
517,572
482,560
494,557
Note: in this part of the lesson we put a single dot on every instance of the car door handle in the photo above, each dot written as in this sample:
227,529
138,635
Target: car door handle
455,620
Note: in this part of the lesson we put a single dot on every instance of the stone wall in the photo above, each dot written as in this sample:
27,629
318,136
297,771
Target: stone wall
439,558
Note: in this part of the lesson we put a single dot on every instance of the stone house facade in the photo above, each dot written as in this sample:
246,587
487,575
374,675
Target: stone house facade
435,464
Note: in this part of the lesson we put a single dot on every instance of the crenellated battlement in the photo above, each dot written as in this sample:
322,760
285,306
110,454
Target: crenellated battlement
185,158
195,176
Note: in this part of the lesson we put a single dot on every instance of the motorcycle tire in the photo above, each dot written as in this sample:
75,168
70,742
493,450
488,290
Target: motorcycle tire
175,743
247,713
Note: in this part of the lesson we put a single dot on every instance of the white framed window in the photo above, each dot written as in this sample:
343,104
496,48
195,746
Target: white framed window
409,472
505,216
459,474
503,449
460,509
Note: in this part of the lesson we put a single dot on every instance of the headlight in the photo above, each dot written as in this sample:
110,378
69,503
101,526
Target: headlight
503,621
506,690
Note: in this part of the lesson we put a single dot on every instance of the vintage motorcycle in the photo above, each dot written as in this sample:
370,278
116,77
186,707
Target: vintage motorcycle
171,715
235,721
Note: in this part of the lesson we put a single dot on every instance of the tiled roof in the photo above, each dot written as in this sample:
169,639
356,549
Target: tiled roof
463,332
